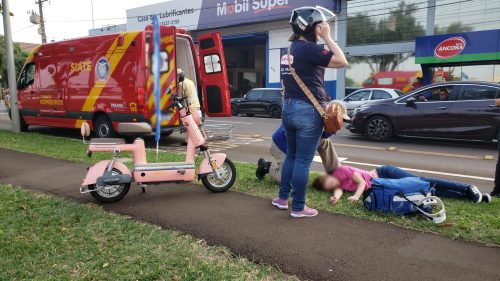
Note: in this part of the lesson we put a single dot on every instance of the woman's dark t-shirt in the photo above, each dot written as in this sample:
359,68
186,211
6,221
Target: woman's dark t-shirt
309,61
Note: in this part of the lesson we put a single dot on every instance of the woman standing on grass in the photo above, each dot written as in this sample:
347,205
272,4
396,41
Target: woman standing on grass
303,124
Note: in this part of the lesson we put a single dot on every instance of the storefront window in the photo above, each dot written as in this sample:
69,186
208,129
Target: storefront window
462,16
382,21
396,71
487,73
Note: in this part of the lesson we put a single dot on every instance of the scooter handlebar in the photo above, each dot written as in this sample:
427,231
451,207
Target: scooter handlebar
178,102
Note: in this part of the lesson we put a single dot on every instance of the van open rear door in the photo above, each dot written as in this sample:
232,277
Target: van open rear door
215,86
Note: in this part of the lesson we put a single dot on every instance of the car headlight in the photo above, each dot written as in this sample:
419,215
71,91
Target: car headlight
356,110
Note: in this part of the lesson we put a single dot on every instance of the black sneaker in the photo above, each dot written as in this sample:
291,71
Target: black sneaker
263,167
486,198
474,194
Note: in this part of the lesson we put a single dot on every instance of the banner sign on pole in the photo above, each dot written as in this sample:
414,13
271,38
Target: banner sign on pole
156,76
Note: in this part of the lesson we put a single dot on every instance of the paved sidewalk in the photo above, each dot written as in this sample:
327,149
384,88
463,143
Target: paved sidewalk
328,247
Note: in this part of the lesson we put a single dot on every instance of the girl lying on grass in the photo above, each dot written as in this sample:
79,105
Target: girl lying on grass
350,179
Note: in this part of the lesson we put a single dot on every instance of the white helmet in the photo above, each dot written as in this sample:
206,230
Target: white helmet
433,203
304,19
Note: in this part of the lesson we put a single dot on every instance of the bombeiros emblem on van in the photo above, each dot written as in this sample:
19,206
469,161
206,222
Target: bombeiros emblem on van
102,69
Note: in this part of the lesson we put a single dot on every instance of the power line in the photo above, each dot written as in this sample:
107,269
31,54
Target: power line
264,18
274,15
24,28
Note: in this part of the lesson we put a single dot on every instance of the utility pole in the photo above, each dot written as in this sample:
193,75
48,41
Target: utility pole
11,68
42,21
92,5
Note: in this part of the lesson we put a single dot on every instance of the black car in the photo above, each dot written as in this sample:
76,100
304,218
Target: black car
455,110
267,101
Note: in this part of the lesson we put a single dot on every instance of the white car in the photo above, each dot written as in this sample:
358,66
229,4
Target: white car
368,95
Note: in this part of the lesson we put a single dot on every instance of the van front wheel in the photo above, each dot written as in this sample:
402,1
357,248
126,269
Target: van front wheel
103,128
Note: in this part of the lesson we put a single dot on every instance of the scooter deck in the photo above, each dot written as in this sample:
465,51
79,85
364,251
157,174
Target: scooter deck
164,166
107,141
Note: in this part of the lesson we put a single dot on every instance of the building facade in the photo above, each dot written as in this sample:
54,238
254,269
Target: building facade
381,37
378,36
108,29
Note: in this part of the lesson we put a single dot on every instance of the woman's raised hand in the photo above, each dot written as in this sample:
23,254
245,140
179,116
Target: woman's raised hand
324,30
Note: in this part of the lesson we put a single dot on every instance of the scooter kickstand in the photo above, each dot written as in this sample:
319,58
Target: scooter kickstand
143,188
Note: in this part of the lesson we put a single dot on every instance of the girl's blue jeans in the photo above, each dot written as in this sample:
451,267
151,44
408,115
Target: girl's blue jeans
303,128
440,187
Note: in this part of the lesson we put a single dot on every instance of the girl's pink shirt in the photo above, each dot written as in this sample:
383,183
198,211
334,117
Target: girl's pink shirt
345,175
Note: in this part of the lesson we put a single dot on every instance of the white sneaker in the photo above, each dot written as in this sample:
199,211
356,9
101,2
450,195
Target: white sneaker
475,194
486,198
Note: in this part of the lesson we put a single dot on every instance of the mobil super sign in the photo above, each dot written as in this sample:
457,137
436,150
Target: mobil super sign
458,47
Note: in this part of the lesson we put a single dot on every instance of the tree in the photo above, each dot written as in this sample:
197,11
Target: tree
1,11
349,82
19,59
455,27
401,25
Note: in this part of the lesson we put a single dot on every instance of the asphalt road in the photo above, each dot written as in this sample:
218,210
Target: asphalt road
452,160
328,247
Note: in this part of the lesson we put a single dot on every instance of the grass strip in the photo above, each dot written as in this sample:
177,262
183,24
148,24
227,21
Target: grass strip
47,238
467,221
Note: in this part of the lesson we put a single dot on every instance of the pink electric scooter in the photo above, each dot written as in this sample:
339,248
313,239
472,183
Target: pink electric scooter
109,181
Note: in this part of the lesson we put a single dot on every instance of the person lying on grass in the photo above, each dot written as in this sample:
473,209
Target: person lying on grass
350,179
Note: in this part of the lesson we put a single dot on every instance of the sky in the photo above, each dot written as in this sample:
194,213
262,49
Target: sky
65,19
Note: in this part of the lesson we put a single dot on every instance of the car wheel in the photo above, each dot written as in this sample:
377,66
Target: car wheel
103,128
275,111
378,128
234,110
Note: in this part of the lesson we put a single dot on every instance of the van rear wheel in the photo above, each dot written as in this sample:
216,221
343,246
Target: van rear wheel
103,128
22,123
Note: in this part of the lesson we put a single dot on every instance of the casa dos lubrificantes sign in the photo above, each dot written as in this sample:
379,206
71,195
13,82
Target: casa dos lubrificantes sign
209,14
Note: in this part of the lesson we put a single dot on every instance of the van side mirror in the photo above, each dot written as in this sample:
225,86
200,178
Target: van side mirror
85,130
411,102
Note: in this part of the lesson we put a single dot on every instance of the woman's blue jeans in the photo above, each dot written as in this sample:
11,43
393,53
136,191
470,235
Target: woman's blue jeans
303,128
440,187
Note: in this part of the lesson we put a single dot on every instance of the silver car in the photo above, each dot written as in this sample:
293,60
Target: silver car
368,95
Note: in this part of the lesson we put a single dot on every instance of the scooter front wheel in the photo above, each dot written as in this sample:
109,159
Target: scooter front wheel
110,193
212,183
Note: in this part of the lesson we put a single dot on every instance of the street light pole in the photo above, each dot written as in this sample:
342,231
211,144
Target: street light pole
92,5
42,21
11,68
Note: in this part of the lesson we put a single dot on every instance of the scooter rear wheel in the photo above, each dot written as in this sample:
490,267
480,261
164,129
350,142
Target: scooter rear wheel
212,183
110,193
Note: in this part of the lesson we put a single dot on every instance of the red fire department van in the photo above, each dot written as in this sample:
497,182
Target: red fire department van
106,80
399,80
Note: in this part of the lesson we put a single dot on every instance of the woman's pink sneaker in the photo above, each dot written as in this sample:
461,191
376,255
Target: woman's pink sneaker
282,204
306,213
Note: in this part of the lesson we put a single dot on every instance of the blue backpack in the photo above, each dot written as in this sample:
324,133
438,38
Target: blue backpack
397,196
